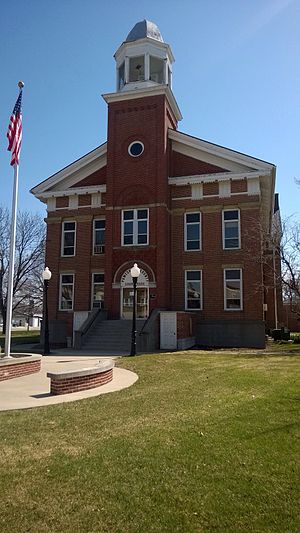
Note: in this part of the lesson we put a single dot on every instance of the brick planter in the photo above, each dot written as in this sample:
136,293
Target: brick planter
19,365
79,380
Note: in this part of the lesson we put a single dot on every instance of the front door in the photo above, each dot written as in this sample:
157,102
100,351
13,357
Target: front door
142,297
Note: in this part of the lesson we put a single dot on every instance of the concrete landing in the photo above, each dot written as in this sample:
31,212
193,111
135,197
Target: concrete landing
33,390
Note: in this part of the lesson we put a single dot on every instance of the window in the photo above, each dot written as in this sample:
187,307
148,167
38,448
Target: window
135,227
192,231
121,76
157,67
99,236
66,292
97,290
137,68
193,289
231,229
233,289
68,238
136,148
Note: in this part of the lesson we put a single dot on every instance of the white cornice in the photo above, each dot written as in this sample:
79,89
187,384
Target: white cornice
91,189
71,169
142,93
147,42
219,176
219,151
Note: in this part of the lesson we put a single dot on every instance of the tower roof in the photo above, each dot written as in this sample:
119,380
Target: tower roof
142,29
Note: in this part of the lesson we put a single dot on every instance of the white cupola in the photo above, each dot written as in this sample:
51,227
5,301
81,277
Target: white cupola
143,60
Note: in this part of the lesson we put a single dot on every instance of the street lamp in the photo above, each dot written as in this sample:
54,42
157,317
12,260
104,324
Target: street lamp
46,277
135,272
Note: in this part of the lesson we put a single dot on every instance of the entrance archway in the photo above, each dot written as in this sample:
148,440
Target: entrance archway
142,296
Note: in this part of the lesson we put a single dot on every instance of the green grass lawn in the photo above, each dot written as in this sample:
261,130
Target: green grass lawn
19,336
202,442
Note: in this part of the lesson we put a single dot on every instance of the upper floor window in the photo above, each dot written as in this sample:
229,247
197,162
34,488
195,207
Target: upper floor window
192,233
68,238
193,289
99,236
66,292
231,229
157,69
97,290
135,227
233,289
137,68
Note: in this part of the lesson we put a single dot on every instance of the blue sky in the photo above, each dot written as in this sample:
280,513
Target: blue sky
236,79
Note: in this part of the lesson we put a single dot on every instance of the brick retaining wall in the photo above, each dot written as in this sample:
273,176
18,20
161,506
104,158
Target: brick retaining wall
15,368
76,384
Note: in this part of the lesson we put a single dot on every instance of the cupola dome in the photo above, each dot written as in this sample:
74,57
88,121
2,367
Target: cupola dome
144,29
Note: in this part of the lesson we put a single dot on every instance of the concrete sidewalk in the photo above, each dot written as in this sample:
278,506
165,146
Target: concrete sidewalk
33,390
35,348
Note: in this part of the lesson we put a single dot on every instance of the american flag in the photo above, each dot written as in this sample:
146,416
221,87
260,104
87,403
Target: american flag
14,132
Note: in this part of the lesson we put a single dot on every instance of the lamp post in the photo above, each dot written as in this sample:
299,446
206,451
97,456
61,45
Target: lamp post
46,277
135,272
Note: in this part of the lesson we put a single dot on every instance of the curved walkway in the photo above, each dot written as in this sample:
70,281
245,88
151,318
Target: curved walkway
33,390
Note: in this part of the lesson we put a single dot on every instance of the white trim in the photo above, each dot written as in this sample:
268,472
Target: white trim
135,221
60,290
92,189
225,153
209,178
71,169
241,289
185,290
233,220
62,237
200,230
141,93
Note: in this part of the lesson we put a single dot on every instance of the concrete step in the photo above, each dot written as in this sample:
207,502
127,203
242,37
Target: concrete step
111,335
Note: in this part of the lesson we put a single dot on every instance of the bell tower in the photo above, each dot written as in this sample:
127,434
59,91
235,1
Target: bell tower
143,60
140,113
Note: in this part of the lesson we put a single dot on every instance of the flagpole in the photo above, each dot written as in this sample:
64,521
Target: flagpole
14,135
11,262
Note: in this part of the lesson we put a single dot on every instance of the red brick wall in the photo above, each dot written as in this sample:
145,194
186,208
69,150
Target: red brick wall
84,200
182,165
76,384
97,178
238,186
62,201
185,325
212,259
19,369
210,189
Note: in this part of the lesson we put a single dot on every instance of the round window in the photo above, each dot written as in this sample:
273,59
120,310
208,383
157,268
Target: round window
136,148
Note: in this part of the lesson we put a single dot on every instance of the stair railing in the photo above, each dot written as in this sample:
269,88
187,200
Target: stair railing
81,333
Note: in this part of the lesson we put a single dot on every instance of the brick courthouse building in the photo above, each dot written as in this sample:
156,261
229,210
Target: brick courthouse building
190,213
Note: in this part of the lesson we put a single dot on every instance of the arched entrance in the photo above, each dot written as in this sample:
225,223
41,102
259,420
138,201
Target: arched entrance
142,296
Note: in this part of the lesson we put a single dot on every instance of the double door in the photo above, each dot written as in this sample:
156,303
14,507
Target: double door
142,303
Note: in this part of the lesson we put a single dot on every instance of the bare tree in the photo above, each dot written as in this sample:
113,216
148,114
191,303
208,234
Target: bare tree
29,261
289,250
